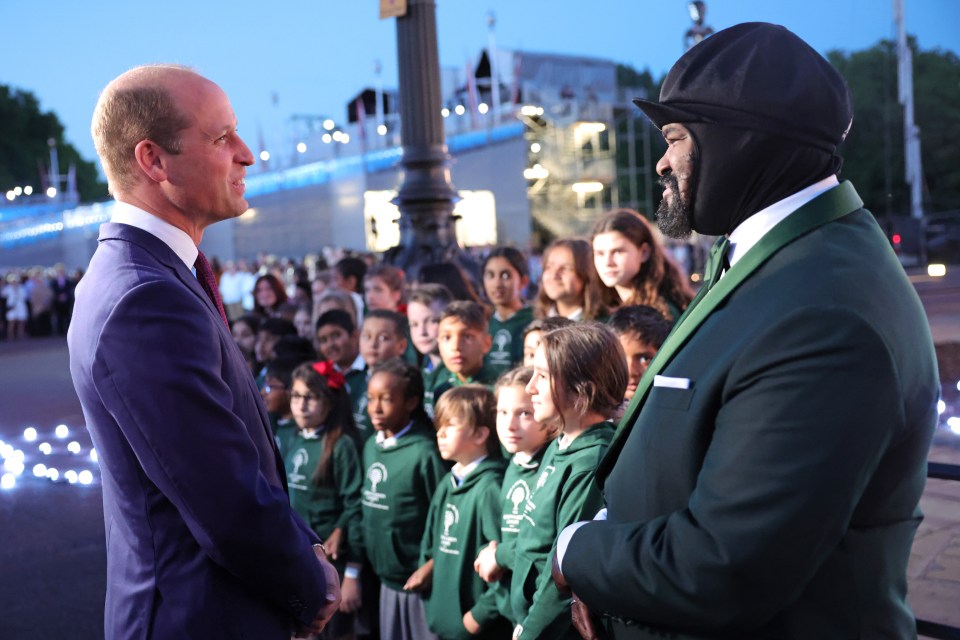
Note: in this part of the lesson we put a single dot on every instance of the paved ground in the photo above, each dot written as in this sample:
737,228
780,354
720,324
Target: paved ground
52,555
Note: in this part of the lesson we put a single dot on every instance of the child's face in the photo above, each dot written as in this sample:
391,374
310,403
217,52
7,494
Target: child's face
304,323
461,347
387,404
639,354
275,396
379,341
516,428
617,259
244,336
530,343
263,349
460,443
309,409
560,280
378,295
424,325
502,282
546,409
337,345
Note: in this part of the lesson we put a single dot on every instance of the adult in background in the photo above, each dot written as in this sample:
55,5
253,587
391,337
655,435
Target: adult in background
201,539
765,479
62,287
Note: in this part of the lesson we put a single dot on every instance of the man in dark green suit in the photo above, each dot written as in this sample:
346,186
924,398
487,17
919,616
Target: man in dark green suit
765,479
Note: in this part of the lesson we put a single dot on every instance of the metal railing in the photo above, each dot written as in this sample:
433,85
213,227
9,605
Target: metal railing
940,471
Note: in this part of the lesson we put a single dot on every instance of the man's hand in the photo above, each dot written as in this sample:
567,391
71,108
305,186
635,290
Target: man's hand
332,544
420,579
333,595
486,563
470,624
584,622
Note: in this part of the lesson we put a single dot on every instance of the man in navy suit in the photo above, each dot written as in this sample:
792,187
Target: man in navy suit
201,539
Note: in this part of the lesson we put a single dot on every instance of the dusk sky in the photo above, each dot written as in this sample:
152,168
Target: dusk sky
315,55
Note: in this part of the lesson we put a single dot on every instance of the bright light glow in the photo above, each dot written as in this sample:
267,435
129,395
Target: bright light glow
482,107
74,447
14,466
29,434
40,470
445,112
329,124
536,172
8,481
249,214
954,424
941,407
53,474
327,138
338,136
11,195
958,385
70,476
28,190
382,129
590,127
6,451
535,147
531,111
587,187
264,155
460,109
936,270
45,448
62,431
301,147
86,477
695,277
345,138
94,456
17,455
18,191
51,192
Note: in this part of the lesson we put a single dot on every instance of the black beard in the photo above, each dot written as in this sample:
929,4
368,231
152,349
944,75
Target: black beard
673,217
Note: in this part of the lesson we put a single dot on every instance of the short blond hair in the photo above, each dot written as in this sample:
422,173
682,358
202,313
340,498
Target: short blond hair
136,106
473,406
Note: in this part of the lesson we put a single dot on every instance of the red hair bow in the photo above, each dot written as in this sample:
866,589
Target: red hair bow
328,370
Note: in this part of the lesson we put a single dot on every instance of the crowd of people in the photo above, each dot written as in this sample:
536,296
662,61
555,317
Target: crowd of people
36,302
454,418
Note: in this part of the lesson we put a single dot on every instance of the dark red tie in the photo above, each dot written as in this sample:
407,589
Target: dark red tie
209,283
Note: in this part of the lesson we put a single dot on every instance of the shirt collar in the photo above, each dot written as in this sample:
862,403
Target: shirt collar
461,471
177,239
386,443
751,230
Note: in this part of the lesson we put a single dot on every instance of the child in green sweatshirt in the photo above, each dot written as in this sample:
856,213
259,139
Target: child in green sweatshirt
402,470
504,279
527,440
322,462
464,516
579,376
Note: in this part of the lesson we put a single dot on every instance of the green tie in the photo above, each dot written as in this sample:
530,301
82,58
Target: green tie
717,261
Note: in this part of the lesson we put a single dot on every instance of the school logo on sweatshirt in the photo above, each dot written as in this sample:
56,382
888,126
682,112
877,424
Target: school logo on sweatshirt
448,543
530,504
518,495
295,479
500,352
376,475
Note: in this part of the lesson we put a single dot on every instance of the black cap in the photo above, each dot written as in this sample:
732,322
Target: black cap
760,77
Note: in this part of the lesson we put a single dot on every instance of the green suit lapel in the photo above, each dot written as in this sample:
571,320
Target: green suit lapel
827,207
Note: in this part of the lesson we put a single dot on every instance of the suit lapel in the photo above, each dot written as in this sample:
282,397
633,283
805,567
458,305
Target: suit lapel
827,207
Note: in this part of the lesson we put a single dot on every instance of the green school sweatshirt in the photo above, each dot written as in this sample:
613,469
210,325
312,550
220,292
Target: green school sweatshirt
565,493
462,520
518,483
324,508
431,380
507,349
398,483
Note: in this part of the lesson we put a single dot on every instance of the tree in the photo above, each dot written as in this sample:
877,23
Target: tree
24,132
873,152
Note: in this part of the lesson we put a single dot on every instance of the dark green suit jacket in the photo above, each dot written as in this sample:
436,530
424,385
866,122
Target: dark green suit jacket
776,496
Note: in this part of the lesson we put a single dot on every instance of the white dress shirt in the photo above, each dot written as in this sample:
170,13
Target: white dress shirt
174,237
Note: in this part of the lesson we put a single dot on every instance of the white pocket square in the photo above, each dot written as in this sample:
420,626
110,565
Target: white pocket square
671,383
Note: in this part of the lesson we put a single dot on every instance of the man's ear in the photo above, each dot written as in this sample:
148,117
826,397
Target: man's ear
151,159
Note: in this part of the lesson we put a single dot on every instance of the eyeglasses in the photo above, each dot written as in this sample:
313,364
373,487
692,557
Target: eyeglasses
308,398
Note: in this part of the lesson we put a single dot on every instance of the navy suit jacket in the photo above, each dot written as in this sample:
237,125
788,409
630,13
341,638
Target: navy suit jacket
201,539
